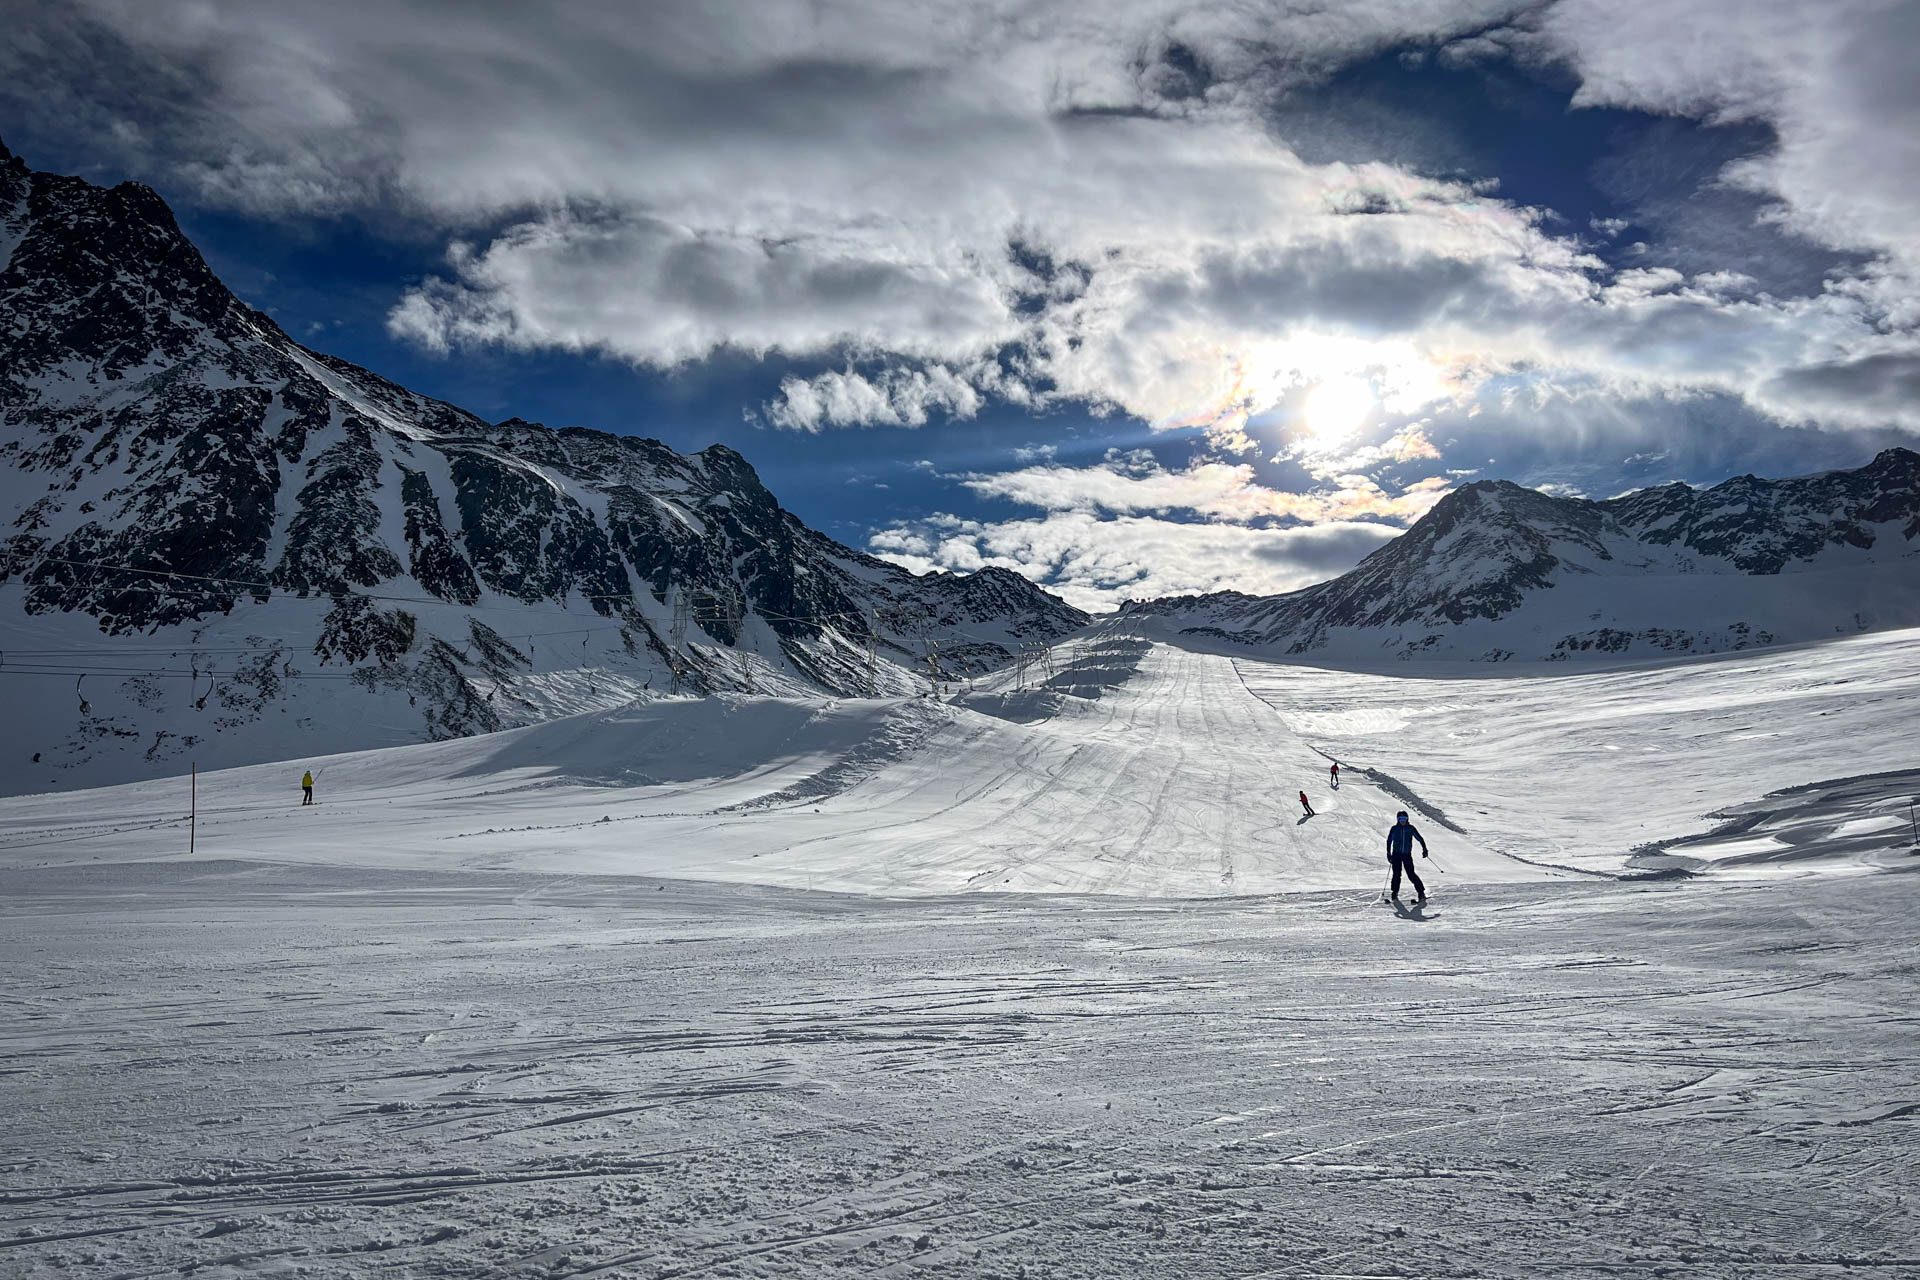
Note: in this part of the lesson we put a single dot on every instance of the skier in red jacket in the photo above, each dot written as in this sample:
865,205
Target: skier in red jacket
1305,805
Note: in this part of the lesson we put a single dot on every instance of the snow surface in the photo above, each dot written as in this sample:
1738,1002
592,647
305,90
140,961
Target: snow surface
1584,768
1129,767
1644,601
1048,979
267,697
236,1069
1134,768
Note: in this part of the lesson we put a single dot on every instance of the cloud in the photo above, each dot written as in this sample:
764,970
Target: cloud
1097,563
1886,384
668,293
892,397
929,210
926,210
1133,483
945,205
1113,531
1834,81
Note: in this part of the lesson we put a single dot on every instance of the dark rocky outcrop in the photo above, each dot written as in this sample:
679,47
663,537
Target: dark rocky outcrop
172,457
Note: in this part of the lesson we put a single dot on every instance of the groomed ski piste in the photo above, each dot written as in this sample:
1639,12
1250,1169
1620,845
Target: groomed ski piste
1048,976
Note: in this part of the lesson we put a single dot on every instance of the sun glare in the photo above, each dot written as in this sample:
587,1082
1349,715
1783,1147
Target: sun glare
1336,408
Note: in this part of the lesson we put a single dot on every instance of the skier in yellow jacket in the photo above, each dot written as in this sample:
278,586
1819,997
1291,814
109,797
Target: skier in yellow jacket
306,785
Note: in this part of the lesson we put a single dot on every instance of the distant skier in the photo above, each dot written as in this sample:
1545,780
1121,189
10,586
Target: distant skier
306,786
1304,805
1400,838
1335,771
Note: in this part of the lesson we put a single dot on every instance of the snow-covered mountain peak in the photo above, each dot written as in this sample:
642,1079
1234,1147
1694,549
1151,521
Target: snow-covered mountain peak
186,489
1497,571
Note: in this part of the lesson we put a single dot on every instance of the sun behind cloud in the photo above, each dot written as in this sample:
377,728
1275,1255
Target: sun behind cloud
1337,408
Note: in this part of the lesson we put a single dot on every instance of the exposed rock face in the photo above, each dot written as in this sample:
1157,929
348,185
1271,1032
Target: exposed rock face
172,461
1496,571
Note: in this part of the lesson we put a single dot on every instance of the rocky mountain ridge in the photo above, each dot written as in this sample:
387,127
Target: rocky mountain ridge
1497,571
184,489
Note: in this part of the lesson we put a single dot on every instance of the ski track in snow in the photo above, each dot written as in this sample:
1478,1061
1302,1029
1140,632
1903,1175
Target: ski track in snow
1584,768
884,987
243,1069
1133,768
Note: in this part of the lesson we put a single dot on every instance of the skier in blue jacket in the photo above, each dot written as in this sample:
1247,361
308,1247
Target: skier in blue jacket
1400,838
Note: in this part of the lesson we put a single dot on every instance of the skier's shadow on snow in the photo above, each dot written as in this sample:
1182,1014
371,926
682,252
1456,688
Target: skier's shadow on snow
1303,820
1416,912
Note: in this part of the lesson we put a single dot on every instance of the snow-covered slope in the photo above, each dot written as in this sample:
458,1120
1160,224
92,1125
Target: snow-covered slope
447,1022
1121,767
1133,769
1496,572
1591,768
218,545
257,1072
